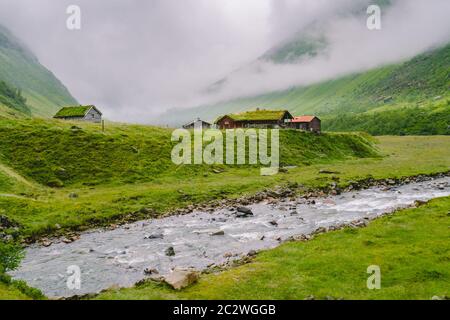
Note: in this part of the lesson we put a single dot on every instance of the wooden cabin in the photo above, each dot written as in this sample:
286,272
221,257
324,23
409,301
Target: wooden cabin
271,119
307,123
79,113
197,124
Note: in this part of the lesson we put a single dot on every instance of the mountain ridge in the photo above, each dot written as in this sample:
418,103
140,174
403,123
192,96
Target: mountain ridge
21,69
414,82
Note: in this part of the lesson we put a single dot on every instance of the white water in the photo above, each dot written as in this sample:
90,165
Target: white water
118,257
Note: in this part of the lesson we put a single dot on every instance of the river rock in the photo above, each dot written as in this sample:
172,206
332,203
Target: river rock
154,236
251,253
181,278
5,222
46,243
218,233
150,271
170,252
273,223
243,212
320,230
66,240
419,203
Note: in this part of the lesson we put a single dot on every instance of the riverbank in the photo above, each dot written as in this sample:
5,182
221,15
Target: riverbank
206,241
65,212
402,157
413,263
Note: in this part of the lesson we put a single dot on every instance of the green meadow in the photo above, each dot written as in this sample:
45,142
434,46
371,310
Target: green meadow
57,177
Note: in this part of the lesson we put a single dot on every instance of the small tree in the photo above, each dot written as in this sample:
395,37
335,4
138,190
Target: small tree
10,256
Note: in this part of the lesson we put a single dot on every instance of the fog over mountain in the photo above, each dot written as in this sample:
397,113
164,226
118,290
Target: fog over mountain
136,59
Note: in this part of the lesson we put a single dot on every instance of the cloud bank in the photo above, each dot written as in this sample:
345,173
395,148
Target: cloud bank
136,59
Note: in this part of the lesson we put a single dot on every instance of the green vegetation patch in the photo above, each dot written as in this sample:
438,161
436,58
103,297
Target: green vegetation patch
13,98
56,154
425,120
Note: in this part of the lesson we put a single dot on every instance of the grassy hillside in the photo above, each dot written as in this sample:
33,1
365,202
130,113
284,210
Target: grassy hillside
127,168
21,69
431,119
55,154
412,83
53,174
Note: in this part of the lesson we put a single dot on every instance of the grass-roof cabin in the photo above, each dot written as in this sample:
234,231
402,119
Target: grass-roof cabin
197,124
79,113
255,119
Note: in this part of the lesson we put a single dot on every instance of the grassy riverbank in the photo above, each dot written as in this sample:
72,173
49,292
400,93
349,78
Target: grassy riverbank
30,157
411,247
53,211
59,176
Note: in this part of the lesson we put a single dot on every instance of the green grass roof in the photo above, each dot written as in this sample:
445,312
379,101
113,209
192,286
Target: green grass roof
78,111
257,115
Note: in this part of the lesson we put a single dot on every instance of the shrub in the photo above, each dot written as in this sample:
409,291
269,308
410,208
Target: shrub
10,256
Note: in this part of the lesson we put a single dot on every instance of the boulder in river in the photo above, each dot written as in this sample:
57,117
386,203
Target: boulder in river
170,252
151,271
181,278
243,212
154,236
218,233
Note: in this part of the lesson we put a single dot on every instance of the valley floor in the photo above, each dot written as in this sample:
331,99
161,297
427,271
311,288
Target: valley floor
415,260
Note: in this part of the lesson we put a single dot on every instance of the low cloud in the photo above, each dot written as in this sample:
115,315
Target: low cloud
409,27
136,59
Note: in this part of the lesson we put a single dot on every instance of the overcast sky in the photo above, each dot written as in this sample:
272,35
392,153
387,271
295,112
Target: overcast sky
136,59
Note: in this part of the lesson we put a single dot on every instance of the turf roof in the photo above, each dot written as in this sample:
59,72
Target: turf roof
78,111
256,115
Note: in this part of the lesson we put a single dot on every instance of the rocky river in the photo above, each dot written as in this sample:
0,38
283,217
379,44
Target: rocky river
200,240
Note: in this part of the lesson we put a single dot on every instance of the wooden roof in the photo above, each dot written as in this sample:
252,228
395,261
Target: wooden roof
304,119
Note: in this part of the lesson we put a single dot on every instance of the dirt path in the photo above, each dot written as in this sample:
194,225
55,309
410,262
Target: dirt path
10,172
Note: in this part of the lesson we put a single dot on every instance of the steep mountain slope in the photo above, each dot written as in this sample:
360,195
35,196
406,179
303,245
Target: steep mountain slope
19,68
416,82
12,102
